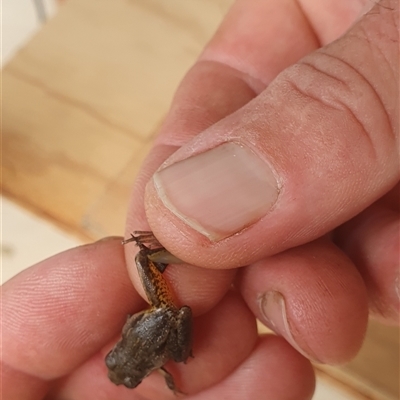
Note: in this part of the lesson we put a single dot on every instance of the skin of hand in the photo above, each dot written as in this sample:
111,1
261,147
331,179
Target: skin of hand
299,100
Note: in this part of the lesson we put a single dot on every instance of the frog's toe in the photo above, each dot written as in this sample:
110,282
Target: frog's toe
169,380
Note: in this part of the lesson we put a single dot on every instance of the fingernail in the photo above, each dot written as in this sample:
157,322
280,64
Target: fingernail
218,192
273,308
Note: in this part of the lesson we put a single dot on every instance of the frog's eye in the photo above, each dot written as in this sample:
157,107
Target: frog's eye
111,361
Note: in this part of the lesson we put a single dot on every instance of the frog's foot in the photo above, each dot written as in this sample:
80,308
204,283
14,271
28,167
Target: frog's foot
141,238
155,252
144,240
147,237
190,355
169,380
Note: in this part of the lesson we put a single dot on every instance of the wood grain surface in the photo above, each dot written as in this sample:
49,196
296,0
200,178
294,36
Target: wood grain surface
81,104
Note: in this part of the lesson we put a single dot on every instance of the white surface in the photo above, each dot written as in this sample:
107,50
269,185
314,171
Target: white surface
325,391
19,22
27,239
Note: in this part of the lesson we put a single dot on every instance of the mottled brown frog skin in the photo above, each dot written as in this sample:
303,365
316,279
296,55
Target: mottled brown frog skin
152,337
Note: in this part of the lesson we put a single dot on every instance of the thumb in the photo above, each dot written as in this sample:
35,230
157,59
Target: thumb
312,150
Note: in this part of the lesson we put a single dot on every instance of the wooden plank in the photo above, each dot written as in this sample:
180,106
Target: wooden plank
376,367
57,158
374,372
119,60
107,216
84,98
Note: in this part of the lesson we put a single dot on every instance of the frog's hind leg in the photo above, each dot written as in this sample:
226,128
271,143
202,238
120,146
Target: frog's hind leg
162,258
169,380
160,266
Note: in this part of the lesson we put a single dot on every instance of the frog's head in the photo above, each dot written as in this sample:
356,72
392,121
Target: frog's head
120,369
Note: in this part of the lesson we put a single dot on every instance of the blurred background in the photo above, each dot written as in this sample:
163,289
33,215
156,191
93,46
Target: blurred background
85,85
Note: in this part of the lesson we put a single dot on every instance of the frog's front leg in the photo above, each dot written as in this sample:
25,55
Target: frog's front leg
169,380
180,343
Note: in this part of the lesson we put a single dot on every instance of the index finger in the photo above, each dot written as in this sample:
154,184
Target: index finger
58,313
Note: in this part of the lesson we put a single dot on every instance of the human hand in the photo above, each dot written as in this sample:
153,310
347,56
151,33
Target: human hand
61,317
328,129
306,196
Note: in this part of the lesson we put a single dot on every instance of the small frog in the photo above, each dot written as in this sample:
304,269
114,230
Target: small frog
151,337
